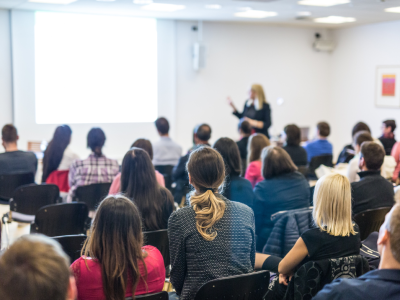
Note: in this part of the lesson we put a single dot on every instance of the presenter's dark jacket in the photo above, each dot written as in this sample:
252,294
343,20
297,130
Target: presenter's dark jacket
263,114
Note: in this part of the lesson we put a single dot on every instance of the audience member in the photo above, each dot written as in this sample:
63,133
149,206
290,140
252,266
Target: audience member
372,191
396,155
236,188
15,161
146,146
292,145
166,151
257,143
138,182
212,238
97,168
58,156
387,138
201,136
244,132
36,268
114,262
283,188
353,166
334,235
383,283
348,151
320,146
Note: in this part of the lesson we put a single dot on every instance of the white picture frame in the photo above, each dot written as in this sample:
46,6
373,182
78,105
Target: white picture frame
387,91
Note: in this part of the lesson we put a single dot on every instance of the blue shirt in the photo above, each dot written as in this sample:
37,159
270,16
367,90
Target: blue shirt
377,284
166,152
317,148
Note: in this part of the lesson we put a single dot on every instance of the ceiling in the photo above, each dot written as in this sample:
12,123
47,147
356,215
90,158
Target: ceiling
365,11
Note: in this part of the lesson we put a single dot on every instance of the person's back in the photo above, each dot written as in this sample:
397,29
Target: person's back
166,151
291,138
319,146
298,154
240,190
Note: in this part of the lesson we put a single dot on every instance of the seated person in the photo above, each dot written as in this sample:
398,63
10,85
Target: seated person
36,268
292,139
213,237
244,132
236,188
348,151
97,168
372,191
320,146
282,189
353,166
387,138
15,161
115,264
383,283
334,236
166,151
257,143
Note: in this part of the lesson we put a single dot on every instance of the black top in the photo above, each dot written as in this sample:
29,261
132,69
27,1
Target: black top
388,144
239,189
263,115
242,145
18,162
372,191
298,154
346,155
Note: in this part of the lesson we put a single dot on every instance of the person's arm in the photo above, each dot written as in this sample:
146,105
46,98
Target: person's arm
293,258
179,170
253,244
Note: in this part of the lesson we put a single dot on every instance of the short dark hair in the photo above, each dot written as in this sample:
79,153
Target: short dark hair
361,137
9,133
145,145
96,139
203,132
324,129
373,154
162,125
360,126
293,135
276,161
391,124
229,151
245,127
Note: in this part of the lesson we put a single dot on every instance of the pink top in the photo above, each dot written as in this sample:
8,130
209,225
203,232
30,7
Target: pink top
253,173
90,285
116,184
396,154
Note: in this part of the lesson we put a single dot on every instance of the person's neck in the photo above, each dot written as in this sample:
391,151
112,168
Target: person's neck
244,135
388,261
10,147
202,143
164,135
322,137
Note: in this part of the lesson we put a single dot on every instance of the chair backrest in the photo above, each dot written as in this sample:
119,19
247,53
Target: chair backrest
166,171
92,194
317,161
61,219
28,199
252,286
60,179
72,245
370,220
156,296
9,183
159,239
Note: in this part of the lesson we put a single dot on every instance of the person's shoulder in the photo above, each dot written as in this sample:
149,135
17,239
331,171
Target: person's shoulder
342,289
243,208
181,214
152,252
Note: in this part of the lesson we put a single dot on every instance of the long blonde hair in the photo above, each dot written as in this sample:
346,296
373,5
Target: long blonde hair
207,173
332,205
258,89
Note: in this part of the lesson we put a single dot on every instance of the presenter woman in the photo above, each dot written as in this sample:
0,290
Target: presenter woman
256,110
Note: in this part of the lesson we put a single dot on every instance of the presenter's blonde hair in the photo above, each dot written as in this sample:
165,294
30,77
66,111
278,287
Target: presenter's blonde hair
258,89
332,205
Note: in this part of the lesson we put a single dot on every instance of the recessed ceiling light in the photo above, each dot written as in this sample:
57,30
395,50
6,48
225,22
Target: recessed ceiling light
334,20
53,1
163,7
393,9
303,13
323,2
213,6
142,1
244,8
256,14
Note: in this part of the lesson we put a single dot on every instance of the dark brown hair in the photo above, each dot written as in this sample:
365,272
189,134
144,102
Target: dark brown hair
245,127
276,161
293,135
229,151
324,129
391,124
116,241
361,137
162,125
203,132
145,145
9,133
95,140
360,126
257,142
373,154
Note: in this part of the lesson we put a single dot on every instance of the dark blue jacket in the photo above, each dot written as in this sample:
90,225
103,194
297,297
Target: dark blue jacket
239,189
377,284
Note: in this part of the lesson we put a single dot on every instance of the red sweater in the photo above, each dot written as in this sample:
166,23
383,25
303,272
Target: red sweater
253,173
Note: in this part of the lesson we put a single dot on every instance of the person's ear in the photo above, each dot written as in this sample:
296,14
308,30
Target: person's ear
190,178
17,138
362,162
383,238
72,290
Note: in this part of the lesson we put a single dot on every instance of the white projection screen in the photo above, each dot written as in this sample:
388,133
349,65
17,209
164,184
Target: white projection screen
95,69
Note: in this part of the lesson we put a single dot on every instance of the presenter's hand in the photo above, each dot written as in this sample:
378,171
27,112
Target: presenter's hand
230,102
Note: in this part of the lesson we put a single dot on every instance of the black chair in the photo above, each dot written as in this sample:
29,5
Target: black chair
61,219
92,194
156,296
316,162
28,199
71,244
166,171
370,220
8,184
252,286
159,239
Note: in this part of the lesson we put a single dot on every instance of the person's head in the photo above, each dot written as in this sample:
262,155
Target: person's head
371,156
9,136
230,153
207,175
293,135
257,142
257,92
115,241
389,240
360,126
139,183
332,205
95,140
202,134
244,128
323,130
36,268
55,150
275,162
359,138
145,145
162,126
388,127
